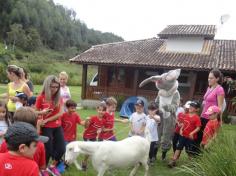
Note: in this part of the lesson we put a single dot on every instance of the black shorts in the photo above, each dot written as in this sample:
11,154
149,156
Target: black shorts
189,144
94,139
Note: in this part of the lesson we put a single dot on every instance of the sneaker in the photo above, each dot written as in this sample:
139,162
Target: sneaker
54,171
44,173
172,164
61,167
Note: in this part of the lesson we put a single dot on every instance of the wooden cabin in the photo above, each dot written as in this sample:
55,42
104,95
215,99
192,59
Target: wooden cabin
123,65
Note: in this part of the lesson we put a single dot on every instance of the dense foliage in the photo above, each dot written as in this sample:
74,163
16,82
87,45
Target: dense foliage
42,36
30,24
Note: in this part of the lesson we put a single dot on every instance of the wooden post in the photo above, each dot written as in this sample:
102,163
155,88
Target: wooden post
193,78
135,83
84,82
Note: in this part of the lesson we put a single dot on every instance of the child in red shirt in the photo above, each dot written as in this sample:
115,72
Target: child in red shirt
179,121
28,115
212,125
188,133
69,121
21,139
107,132
93,126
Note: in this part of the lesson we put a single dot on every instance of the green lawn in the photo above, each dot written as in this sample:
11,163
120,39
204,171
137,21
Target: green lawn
159,169
75,91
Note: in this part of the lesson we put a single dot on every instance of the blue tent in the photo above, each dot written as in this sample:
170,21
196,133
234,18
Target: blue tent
128,106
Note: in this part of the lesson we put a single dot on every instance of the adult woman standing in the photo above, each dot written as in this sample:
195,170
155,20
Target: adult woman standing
213,96
50,100
65,91
15,85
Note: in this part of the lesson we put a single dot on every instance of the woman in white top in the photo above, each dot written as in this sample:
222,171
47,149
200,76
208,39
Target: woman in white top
65,91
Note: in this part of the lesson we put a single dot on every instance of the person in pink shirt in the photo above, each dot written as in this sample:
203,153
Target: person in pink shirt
214,96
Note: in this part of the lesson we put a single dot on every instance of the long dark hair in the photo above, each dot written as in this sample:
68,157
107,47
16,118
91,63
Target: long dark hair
217,74
8,117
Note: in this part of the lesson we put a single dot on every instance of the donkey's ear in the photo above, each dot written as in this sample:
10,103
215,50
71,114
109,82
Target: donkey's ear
173,75
76,148
150,79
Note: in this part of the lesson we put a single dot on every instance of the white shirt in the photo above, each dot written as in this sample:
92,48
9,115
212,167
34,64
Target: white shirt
179,110
3,129
152,127
138,121
65,93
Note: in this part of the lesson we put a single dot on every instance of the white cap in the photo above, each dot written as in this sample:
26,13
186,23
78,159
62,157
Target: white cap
187,104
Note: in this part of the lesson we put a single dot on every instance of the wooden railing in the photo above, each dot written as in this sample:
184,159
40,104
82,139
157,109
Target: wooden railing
95,92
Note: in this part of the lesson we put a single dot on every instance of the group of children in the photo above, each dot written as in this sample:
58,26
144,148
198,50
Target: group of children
101,127
188,124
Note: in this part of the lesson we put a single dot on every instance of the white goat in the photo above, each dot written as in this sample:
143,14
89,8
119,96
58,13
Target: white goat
108,154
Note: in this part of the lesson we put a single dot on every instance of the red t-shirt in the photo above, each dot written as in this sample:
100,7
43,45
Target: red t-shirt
39,155
42,104
190,123
91,131
12,165
210,130
68,123
108,123
180,118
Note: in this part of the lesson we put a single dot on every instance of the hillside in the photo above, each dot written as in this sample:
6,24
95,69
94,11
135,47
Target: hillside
41,36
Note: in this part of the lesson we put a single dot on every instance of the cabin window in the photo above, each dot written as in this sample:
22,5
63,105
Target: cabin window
116,76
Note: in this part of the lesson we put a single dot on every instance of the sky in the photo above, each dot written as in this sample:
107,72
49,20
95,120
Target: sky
141,19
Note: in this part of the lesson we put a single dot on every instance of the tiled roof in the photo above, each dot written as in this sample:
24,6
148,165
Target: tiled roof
206,31
150,53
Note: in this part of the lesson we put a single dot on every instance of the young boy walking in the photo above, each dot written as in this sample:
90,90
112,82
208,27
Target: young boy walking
188,133
152,124
69,121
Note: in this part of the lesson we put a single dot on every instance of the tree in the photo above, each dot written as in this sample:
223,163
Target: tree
16,36
33,40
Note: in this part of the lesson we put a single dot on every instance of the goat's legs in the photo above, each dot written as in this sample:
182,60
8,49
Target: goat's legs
146,169
102,170
77,165
134,170
145,165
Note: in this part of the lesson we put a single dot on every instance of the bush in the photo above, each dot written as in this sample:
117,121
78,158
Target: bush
3,77
218,160
225,117
120,100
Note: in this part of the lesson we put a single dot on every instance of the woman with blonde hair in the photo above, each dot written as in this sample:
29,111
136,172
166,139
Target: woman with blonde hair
15,86
65,91
50,100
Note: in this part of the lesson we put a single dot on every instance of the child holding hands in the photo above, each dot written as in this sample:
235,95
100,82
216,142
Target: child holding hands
152,124
188,133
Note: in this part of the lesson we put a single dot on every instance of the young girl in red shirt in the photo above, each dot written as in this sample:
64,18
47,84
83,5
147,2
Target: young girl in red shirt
212,125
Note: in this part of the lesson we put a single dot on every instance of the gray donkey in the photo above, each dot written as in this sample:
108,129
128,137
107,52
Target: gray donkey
168,100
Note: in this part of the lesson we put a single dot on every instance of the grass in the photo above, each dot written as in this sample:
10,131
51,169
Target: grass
219,160
74,90
159,169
